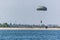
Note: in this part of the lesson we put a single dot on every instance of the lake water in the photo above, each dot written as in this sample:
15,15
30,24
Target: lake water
29,34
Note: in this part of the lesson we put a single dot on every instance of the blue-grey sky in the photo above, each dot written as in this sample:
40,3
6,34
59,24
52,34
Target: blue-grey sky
24,11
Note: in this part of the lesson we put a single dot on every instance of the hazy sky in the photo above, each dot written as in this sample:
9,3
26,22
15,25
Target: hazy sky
24,11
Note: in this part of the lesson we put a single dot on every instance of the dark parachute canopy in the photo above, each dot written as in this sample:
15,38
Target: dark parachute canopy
42,8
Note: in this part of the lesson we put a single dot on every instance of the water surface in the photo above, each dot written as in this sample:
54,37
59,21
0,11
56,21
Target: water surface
29,34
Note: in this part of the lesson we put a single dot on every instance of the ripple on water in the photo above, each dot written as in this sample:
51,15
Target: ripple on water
29,34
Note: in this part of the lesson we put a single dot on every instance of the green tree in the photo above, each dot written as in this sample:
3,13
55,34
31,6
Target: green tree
0,25
5,25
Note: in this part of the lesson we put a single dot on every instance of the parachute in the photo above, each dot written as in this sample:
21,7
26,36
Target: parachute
42,8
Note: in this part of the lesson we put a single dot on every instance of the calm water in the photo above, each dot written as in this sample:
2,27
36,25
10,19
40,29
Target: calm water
29,34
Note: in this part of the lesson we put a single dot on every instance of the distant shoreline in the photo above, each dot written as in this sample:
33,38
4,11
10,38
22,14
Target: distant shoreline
29,28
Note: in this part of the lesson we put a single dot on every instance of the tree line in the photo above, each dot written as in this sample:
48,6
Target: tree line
28,26
18,25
